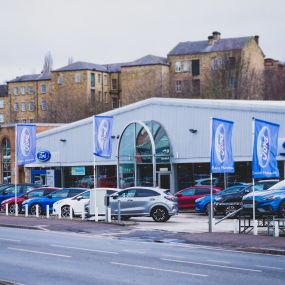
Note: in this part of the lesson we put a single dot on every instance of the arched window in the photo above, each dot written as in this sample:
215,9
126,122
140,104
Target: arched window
6,161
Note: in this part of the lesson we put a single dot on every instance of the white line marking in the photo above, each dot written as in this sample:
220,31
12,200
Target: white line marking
39,252
85,249
270,267
219,261
134,251
211,265
159,269
8,239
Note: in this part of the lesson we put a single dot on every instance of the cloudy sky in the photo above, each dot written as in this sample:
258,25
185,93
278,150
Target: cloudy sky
108,31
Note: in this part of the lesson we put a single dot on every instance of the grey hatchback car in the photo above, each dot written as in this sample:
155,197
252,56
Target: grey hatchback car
157,203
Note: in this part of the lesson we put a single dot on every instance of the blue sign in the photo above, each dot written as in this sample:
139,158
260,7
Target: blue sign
221,148
25,143
78,170
43,155
102,127
264,163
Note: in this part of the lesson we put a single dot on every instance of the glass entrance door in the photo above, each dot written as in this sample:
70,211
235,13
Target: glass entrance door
164,180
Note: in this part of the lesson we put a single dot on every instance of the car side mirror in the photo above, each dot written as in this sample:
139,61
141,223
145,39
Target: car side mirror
246,191
115,196
79,198
178,194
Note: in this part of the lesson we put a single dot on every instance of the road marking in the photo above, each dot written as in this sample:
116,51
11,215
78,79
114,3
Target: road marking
159,269
8,239
85,249
134,251
9,281
269,267
219,261
39,252
211,265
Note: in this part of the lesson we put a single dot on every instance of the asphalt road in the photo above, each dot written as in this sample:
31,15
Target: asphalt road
42,257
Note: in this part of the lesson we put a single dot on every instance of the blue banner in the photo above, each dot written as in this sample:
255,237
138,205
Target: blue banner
25,143
221,148
264,163
102,127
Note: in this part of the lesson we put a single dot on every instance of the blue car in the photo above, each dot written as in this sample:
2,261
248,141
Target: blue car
202,205
269,202
49,200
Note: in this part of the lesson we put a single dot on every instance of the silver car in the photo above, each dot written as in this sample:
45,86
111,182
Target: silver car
157,203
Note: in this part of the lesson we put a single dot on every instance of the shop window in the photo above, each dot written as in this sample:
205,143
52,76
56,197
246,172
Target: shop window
6,160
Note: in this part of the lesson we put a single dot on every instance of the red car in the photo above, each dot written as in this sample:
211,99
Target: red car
38,192
186,197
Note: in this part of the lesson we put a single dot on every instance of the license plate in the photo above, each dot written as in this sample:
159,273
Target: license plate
247,206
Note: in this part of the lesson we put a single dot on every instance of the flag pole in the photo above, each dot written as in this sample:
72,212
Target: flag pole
16,168
211,179
253,185
94,166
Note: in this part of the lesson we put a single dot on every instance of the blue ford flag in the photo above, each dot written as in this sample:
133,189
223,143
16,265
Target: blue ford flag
264,164
102,135
25,143
221,148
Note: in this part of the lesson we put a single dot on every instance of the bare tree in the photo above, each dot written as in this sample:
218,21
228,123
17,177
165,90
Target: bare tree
48,63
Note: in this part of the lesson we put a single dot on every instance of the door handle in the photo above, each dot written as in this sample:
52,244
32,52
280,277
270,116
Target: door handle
151,199
130,200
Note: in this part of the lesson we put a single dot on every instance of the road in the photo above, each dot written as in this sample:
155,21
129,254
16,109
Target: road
33,257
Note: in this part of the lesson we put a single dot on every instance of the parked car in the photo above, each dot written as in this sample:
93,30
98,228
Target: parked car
230,202
157,203
77,203
202,205
186,197
9,191
107,182
269,202
35,193
50,199
218,181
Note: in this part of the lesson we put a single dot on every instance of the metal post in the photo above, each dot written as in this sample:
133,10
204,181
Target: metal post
109,215
70,213
7,212
16,210
37,210
47,210
276,229
253,185
83,212
211,210
26,211
119,211
236,226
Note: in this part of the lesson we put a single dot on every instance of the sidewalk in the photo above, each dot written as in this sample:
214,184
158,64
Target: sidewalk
145,230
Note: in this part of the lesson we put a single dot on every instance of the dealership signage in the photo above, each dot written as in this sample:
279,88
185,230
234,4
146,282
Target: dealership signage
78,170
43,155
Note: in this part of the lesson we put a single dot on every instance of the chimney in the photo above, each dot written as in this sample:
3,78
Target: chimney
216,35
256,38
210,40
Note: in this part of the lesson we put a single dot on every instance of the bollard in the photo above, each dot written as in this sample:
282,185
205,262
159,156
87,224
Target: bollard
47,211
70,213
96,214
213,224
119,211
255,228
7,210
83,212
109,218
276,229
236,226
16,210
37,210
26,211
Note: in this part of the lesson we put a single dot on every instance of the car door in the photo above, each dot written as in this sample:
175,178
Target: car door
143,201
200,192
78,205
186,199
56,196
10,192
126,198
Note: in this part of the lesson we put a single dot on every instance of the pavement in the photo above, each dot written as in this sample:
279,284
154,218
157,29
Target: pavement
186,228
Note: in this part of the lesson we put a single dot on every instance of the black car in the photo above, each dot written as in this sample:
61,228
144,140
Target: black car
230,202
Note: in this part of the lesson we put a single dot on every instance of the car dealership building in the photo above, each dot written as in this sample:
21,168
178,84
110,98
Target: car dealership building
158,141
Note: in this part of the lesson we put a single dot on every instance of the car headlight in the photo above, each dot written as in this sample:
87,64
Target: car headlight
5,201
272,197
26,202
219,198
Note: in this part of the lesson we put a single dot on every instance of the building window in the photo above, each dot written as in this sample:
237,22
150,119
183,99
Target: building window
106,97
31,106
178,86
105,79
195,67
77,78
24,107
178,66
1,104
16,107
232,62
31,89
6,160
115,103
43,88
114,84
23,90
92,79
92,96
1,118
186,66
43,105
59,80
16,91
99,78
196,87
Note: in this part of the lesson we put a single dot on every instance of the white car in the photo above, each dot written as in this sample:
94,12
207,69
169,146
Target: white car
78,203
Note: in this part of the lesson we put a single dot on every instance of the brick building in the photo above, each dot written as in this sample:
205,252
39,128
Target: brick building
3,103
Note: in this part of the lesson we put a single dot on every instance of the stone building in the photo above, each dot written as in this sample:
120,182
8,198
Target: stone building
3,103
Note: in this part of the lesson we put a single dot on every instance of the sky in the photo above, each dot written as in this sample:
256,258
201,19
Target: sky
110,31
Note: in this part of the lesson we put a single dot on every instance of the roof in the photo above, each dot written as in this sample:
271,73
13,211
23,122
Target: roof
3,91
185,48
32,77
81,65
148,60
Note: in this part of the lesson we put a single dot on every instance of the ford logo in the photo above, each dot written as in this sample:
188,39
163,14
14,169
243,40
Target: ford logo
220,146
103,134
25,141
263,147
43,155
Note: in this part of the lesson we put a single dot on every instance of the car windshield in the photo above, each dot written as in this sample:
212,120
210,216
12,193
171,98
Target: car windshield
278,186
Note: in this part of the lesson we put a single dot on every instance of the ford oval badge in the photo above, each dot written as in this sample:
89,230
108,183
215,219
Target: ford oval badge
43,155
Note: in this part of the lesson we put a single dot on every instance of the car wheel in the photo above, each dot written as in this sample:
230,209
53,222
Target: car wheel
229,209
159,214
125,218
207,209
65,211
33,210
11,209
282,210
